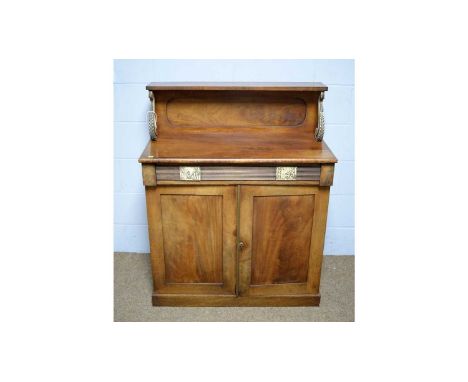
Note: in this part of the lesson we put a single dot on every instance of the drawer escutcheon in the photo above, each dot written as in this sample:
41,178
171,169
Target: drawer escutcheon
286,173
190,173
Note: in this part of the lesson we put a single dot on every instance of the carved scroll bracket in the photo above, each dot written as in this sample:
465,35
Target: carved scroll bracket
152,118
320,130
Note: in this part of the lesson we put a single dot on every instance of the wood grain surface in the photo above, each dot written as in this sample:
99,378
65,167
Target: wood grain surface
282,227
243,110
225,300
224,148
248,86
199,112
149,175
278,230
326,174
288,183
193,239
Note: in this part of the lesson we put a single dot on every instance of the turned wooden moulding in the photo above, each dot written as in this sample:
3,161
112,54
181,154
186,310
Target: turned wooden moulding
237,181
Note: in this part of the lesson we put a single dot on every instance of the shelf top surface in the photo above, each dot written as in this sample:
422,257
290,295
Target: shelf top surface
225,148
247,86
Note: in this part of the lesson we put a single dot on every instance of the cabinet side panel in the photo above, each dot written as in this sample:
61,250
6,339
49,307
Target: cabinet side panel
281,237
192,228
318,232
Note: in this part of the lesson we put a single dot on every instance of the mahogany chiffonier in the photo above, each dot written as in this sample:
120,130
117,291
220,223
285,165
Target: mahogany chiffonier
237,181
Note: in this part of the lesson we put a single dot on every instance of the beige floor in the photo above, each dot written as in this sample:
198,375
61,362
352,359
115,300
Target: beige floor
132,296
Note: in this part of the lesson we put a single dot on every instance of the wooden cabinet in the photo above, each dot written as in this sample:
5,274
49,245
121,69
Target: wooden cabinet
237,181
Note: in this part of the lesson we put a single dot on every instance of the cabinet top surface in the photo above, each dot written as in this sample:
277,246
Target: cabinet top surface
253,86
225,148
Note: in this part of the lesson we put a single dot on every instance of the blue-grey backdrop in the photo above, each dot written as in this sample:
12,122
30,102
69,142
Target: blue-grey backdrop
130,134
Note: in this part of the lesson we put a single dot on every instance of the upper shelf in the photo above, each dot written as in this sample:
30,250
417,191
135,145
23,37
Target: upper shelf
239,123
247,86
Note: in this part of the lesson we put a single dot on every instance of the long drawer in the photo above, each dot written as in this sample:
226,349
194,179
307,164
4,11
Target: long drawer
237,173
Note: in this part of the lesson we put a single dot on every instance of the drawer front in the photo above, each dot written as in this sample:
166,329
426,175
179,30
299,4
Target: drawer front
237,173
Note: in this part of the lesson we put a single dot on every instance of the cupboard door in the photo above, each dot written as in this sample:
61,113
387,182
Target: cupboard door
282,231
193,239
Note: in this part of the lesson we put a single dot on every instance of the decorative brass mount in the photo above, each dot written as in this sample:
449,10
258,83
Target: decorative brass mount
152,118
320,130
286,173
190,173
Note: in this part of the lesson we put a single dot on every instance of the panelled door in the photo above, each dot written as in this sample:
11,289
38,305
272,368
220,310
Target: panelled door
193,243
281,239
